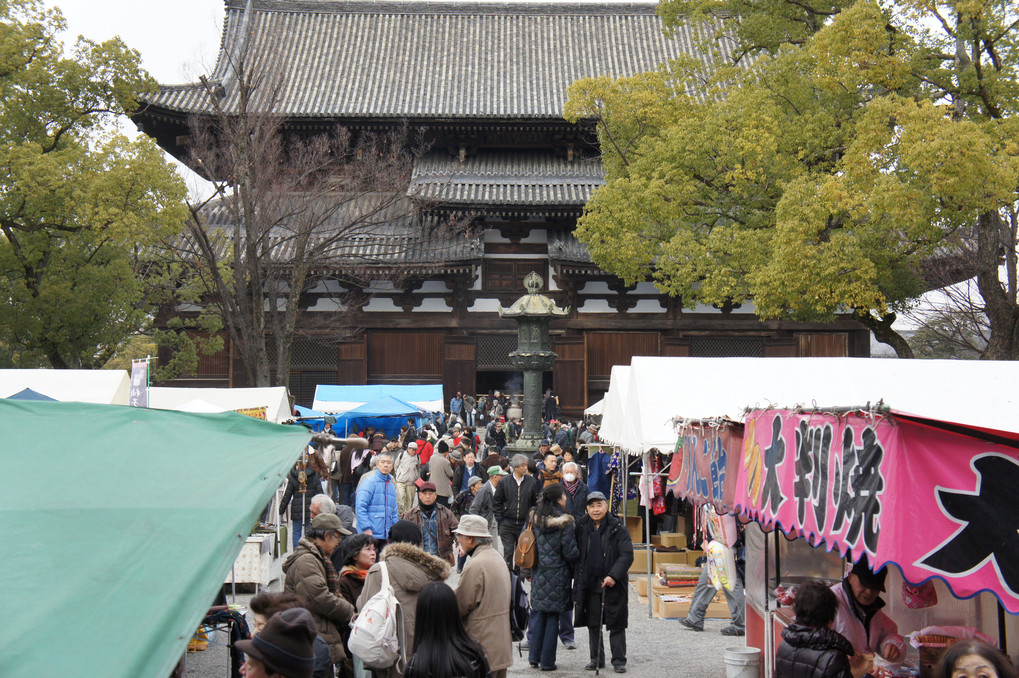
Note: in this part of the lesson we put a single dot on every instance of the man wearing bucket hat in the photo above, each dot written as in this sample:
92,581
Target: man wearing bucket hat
483,594
285,647
860,618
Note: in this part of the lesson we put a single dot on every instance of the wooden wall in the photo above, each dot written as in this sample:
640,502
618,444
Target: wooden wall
605,349
405,357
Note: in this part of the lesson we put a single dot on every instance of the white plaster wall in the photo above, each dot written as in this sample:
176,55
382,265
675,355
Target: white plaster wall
381,305
327,304
535,236
595,306
328,286
484,306
434,286
648,306
433,305
595,287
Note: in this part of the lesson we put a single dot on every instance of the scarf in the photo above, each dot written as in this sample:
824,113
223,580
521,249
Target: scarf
353,572
572,487
332,578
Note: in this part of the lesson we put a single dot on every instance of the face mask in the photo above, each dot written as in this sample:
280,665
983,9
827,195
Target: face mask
570,477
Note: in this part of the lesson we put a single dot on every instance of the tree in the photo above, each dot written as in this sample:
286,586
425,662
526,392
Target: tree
289,210
79,204
828,170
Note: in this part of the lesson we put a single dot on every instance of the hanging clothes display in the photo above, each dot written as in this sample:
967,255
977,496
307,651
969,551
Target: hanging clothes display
598,473
657,483
616,469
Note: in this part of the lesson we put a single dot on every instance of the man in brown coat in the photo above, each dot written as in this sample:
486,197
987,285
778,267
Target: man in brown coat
437,523
483,594
310,574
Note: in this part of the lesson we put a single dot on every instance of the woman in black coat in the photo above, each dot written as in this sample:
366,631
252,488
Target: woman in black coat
606,553
809,648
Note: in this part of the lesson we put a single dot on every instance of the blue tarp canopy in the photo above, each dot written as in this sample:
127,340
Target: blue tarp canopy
387,414
29,394
340,399
312,419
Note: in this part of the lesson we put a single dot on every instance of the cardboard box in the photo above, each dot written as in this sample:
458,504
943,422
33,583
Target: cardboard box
692,555
662,557
656,540
677,539
635,526
673,606
640,584
640,562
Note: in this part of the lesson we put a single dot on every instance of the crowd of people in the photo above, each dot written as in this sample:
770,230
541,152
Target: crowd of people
436,496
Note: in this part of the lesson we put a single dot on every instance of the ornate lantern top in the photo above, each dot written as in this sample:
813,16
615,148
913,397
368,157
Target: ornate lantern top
533,304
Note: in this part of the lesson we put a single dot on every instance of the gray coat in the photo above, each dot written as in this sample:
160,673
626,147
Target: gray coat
483,596
441,474
482,504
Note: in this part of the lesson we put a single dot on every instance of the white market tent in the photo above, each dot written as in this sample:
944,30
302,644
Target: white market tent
614,413
596,409
273,398
975,393
104,387
333,399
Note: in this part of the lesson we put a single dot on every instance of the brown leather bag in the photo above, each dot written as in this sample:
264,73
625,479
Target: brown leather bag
525,555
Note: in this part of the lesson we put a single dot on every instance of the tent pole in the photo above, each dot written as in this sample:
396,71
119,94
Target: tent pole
646,477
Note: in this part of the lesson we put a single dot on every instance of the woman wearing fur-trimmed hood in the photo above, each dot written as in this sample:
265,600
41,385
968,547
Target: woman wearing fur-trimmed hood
410,569
556,545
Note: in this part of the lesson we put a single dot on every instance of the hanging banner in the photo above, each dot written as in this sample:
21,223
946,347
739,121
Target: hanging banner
705,464
934,502
256,412
138,396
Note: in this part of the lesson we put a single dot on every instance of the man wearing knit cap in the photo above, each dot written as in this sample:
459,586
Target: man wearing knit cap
285,647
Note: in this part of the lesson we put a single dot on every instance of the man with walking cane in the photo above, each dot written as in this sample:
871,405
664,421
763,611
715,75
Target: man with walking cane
600,581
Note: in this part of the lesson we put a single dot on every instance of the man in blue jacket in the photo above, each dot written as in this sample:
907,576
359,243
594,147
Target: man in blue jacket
376,501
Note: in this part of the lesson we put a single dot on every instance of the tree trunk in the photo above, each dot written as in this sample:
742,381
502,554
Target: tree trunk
883,332
999,303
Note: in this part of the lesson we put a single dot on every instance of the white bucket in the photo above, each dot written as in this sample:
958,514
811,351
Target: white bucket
742,662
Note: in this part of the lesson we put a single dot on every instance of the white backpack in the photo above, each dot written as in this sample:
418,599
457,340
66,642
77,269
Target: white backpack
376,636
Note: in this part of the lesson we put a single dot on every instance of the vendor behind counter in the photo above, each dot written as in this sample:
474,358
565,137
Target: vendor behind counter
860,617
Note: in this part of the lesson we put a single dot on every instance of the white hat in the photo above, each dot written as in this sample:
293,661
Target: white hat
412,444
473,526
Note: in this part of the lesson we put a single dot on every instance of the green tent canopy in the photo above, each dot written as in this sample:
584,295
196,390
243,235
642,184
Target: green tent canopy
118,526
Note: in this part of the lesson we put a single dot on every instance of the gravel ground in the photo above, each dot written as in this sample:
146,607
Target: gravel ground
653,645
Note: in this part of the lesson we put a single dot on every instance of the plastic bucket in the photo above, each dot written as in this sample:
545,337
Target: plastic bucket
742,662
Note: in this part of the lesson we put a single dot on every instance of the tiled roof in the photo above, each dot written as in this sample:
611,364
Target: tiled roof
359,58
511,178
417,245
563,246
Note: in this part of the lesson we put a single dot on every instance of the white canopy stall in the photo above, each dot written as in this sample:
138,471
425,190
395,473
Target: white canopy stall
273,398
104,387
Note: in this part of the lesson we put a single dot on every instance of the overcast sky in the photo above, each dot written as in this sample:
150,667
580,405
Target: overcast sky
178,40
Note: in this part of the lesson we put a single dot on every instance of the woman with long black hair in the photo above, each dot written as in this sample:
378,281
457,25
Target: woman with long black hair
442,648
551,595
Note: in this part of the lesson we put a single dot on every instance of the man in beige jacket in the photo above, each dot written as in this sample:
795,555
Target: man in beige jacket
483,594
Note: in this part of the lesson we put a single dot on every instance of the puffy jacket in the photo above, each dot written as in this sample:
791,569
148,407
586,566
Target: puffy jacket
376,505
879,631
809,652
556,544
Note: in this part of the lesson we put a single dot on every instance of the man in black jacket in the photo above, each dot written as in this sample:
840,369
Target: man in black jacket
600,581
512,502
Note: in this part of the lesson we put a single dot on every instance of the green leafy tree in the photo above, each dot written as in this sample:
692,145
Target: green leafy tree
79,203
850,151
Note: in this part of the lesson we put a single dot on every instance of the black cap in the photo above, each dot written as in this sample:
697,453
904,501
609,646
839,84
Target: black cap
595,496
870,579
286,645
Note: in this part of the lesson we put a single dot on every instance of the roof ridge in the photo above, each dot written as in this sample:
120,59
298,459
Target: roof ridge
457,7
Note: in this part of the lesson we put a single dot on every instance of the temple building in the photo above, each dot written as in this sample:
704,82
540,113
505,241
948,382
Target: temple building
485,84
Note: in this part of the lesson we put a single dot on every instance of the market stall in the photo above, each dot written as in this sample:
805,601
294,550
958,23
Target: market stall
105,387
118,562
933,500
332,399
269,402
